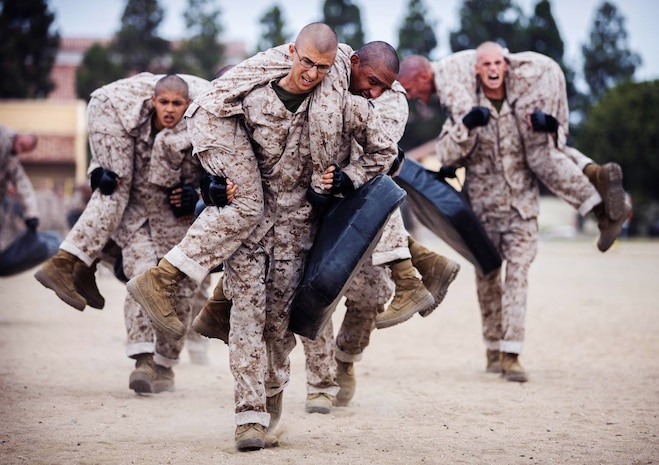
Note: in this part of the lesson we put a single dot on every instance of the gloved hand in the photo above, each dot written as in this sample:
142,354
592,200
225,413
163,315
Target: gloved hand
184,200
543,122
214,190
446,171
395,166
341,183
32,224
478,116
321,203
105,180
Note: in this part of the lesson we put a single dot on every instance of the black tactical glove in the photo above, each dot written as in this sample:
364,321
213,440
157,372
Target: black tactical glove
188,200
32,224
395,166
341,183
446,171
478,116
321,203
105,180
214,190
543,122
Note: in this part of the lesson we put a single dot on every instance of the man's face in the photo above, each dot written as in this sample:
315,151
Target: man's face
367,81
309,68
169,106
419,87
491,68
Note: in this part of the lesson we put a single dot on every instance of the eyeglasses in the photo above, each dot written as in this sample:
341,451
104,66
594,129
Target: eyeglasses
308,64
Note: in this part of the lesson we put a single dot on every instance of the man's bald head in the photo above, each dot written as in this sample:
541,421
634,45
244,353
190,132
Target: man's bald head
417,77
318,36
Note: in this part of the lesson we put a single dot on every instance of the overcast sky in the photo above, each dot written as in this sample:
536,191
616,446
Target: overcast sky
381,20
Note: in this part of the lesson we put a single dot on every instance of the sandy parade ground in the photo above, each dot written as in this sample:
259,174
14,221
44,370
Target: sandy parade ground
423,397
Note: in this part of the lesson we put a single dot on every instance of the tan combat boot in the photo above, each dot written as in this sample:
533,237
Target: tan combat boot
84,280
511,369
164,379
213,319
319,402
273,405
155,291
345,377
57,274
609,229
411,296
250,436
142,377
493,361
607,180
437,272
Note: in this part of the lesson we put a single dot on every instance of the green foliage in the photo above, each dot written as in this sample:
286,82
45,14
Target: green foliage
607,58
27,48
500,21
345,18
416,35
202,53
137,42
97,69
624,127
273,31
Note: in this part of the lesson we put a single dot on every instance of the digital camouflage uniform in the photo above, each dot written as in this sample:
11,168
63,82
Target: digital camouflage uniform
533,82
12,172
500,180
115,115
292,150
372,282
148,229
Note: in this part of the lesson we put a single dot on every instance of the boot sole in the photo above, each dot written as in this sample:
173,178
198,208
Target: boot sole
317,409
250,444
141,384
614,203
135,292
448,276
424,305
46,281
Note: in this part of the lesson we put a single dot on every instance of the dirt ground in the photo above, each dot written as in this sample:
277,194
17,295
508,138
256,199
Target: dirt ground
423,396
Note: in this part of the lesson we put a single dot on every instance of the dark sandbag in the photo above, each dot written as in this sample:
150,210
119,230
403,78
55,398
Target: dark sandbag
446,212
27,251
347,236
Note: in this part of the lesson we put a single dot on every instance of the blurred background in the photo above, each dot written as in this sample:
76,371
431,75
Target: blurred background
53,54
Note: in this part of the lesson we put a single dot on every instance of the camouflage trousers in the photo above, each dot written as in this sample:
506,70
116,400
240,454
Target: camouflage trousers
259,340
393,244
367,295
503,298
194,341
111,149
560,171
224,150
140,255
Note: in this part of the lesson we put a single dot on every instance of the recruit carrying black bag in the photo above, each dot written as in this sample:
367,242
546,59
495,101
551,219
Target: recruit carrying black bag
347,236
28,250
446,212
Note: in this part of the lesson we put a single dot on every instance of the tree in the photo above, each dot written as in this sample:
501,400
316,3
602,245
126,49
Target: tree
273,32
544,37
500,21
202,53
345,18
607,58
624,127
137,42
27,48
416,35
97,69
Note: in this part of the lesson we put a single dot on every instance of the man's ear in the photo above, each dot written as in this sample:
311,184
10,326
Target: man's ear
354,59
291,51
